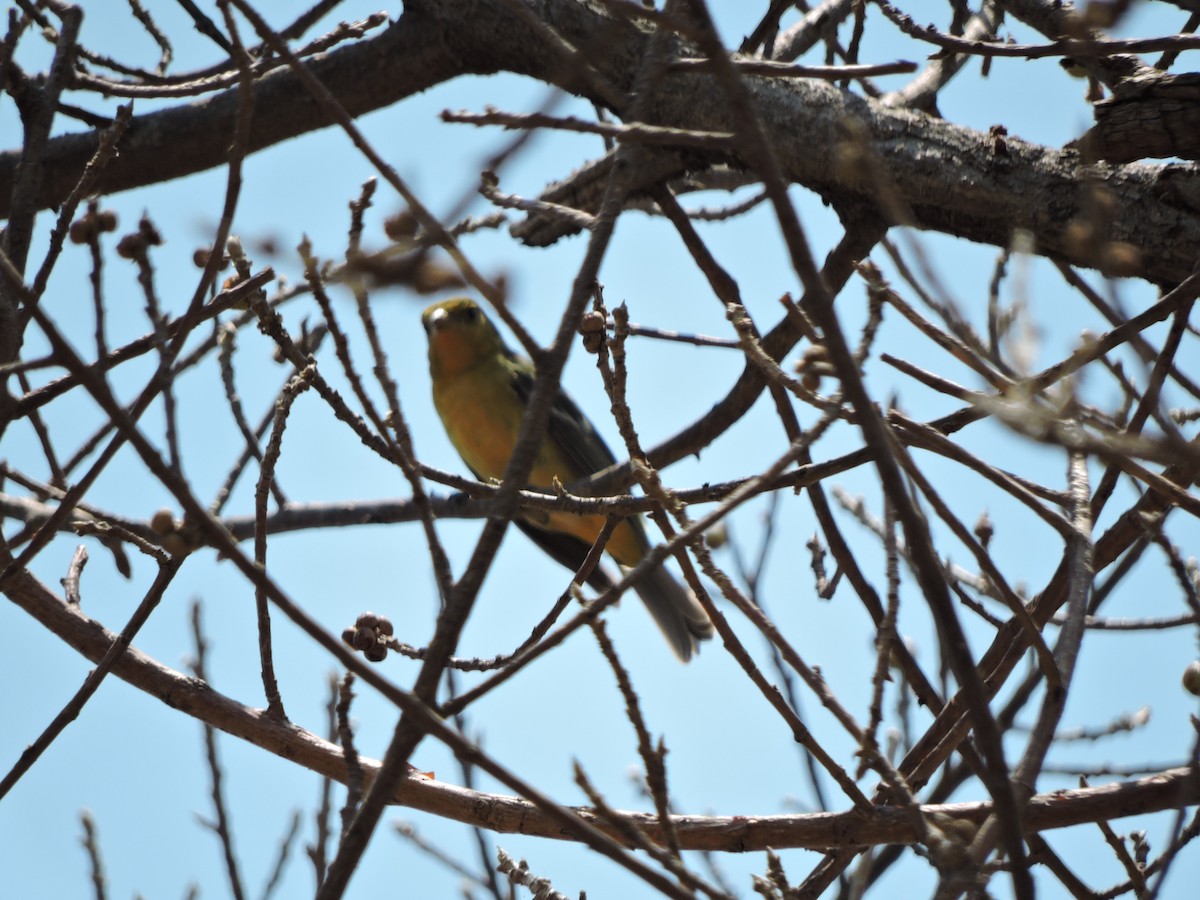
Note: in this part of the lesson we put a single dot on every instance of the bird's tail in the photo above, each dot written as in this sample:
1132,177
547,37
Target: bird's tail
679,614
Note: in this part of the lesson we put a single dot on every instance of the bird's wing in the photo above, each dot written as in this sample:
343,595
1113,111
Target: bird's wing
568,428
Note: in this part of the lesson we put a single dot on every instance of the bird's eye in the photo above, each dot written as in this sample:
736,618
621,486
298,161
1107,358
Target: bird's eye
471,313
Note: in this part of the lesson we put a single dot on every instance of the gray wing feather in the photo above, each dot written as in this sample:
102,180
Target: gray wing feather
673,608
569,428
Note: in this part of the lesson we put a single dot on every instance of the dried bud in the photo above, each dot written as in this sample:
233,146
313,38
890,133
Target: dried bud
1103,203
149,233
364,638
593,342
401,227
131,246
1191,678
984,529
717,536
80,230
1119,259
162,522
853,160
176,544
376,653
593,320
813,365
814,355
430,277
1080,238
88,226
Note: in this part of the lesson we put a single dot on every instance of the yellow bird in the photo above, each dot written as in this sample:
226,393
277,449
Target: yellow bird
480,390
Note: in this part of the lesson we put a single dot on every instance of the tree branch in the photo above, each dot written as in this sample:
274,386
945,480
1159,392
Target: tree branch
937,175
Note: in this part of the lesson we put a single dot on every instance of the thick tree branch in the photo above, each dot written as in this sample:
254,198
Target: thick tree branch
822,831
923,171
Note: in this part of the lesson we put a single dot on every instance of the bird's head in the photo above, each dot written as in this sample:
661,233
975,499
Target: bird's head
460,335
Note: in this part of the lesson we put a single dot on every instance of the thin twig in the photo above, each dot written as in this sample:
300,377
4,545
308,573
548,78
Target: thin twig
222,826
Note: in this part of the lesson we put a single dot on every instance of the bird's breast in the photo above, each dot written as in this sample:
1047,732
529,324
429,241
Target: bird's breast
482,418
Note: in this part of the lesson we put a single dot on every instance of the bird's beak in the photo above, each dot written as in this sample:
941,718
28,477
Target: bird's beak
435,319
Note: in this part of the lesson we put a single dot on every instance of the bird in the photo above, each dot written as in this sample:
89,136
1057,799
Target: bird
481,390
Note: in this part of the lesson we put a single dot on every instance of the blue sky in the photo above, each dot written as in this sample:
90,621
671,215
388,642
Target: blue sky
139,767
